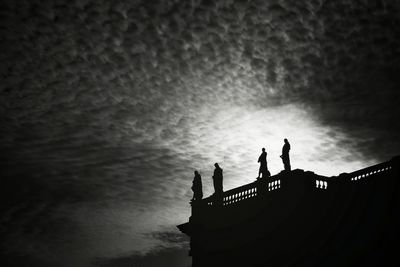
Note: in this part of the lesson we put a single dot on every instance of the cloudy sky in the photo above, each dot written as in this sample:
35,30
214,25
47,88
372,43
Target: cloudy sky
107,108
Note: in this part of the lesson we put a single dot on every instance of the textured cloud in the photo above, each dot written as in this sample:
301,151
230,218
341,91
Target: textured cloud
108,107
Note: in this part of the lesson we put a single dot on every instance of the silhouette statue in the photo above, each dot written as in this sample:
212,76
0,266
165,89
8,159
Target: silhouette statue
285,155
217,179
262,159
197,187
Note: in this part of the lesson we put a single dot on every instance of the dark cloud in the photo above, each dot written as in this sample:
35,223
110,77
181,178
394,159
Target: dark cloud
107,107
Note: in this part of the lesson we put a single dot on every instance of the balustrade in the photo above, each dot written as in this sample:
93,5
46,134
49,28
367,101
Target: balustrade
273,183
321,184
233,197
242,193
373,170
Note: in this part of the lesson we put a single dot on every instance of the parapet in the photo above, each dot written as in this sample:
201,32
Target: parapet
298,214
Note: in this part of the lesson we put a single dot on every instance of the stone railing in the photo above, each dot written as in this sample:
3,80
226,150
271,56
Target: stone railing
234,195
274,183
244,192
321,184
370,171
240,193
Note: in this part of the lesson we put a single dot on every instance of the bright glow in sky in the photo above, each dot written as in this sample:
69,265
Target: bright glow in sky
234,136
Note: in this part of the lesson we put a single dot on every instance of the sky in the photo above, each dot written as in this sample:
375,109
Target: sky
107,108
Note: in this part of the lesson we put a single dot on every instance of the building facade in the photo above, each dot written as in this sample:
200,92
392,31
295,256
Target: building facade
299,218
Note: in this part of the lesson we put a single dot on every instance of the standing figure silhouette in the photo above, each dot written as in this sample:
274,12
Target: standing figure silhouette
262,159
197,187
217,179
285,155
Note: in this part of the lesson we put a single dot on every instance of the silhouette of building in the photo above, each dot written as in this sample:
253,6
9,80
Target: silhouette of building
299,218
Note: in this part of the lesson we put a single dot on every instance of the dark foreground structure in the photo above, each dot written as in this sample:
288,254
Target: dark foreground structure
299,218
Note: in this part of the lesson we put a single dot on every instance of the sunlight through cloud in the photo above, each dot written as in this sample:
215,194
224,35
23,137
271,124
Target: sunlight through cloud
234,136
